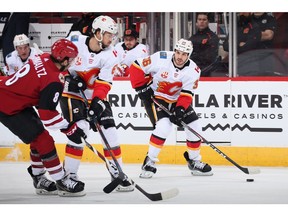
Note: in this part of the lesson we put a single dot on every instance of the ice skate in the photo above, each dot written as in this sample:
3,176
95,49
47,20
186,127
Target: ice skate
125,186
43,186
197,167
69,187
148,168
74,176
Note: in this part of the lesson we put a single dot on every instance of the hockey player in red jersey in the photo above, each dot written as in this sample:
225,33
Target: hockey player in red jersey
92,72
172,78
39,84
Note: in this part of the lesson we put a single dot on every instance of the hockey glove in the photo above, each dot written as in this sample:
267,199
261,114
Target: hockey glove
74,84
178,115
74,133
145,92
96,108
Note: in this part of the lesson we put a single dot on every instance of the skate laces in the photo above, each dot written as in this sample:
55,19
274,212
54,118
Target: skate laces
198,164
74,176
44,182
149,163
69,182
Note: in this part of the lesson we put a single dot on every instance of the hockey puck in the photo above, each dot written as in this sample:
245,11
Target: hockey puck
250,180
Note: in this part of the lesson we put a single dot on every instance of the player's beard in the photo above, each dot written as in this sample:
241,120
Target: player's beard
104,46
178,62
63,68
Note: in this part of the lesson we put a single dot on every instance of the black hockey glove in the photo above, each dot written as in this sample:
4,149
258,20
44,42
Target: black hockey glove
74,133
145,92
96,108
74,84
178,115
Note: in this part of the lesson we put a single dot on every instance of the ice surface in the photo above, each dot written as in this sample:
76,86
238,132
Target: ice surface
227,186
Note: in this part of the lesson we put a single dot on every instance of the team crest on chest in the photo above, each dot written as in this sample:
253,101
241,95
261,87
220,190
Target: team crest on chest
164,74
78,61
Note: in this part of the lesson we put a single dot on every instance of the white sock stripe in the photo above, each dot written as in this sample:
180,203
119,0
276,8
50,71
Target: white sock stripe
49,121
51,169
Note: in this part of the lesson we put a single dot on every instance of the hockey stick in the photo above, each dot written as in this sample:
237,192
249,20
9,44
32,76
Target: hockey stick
113,184
153,197
243,169
116,181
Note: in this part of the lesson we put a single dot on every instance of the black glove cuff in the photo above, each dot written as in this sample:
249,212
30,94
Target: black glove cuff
74,84
179,109
142,89
97,107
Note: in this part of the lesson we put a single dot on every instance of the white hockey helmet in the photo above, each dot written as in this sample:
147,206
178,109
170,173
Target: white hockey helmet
105,24
20,39
184,46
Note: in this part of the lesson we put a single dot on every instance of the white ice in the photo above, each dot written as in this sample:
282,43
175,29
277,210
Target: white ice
227,186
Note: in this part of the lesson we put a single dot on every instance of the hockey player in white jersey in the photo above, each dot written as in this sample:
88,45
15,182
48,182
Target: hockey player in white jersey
128,51
93,71
172,78
20,56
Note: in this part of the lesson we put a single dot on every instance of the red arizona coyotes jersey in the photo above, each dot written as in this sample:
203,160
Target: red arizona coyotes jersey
94,68
38,83
168,82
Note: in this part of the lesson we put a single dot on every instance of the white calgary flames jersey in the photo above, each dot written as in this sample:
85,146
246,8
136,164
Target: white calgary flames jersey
14,62
127,57
94,68
169,82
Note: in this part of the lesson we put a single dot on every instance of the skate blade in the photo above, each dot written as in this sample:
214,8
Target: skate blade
69,194
198,173
146,174
45,192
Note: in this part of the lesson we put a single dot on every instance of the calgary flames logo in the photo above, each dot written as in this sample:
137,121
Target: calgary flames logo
169,88
89,76
164,74
78,61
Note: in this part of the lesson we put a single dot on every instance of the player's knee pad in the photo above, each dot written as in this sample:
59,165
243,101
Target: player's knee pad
43,143
195,125
31,135
163,127
84,125
111,136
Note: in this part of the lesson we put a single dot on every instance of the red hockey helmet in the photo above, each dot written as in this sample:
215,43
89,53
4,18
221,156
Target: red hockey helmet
63,48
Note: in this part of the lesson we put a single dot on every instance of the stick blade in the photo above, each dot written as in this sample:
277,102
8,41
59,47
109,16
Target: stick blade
112,185
169,193
158,196
254,170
